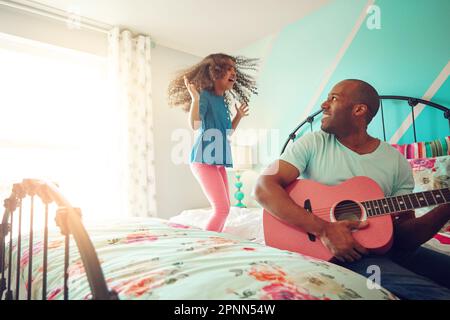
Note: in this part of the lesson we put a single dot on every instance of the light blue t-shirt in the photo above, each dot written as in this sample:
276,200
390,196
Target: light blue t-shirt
212,145
319,156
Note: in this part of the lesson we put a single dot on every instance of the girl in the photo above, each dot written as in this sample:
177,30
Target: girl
204,91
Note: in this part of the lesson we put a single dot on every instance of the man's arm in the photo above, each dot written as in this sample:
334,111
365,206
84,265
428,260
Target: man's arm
271,195
411,232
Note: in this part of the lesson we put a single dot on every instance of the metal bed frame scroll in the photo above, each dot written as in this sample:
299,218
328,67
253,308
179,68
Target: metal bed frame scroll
68,219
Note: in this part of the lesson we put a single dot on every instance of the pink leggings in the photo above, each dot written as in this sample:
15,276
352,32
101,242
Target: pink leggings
214,182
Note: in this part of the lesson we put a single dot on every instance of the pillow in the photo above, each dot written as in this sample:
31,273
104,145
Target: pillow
419,150
430,174
433,174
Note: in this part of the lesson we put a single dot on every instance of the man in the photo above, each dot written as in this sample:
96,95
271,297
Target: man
342,150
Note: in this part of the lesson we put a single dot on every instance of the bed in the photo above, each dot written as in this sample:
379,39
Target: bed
150,258
156,259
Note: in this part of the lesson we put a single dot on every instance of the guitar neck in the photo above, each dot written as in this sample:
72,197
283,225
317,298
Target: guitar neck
406,202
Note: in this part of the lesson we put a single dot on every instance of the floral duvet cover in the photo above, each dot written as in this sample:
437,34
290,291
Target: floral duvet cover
155,259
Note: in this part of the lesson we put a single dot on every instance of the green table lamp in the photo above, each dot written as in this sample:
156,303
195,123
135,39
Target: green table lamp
242,160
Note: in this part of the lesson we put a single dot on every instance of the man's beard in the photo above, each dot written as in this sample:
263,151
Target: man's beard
327,128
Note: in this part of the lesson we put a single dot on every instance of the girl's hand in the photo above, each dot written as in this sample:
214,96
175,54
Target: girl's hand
242,111
192,89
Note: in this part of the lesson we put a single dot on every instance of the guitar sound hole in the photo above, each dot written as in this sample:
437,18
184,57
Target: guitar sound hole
347,210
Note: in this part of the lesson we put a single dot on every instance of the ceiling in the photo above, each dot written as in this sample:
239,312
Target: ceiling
198,27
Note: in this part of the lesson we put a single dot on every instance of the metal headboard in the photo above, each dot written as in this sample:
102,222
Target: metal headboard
412,102
69,222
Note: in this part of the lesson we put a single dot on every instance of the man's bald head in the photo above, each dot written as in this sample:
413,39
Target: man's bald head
363,93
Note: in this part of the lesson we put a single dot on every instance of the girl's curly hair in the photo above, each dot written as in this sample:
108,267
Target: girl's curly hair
211,68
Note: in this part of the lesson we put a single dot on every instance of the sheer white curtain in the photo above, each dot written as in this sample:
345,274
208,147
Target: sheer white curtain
130,69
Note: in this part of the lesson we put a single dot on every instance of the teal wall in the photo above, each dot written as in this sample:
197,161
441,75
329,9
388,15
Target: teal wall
403,57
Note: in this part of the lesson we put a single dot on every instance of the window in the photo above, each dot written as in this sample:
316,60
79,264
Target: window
58,122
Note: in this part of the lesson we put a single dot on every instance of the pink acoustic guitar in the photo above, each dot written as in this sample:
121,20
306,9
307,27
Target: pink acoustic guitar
358,198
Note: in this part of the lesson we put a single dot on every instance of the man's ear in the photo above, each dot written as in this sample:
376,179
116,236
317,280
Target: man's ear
360,109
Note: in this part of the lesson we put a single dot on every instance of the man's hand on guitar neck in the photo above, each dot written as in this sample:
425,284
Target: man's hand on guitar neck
338,238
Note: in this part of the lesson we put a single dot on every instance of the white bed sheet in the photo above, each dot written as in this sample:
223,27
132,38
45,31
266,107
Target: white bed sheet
242,222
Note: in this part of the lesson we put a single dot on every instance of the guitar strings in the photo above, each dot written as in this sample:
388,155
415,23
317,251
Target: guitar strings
376,208
348,206
324,212
353,208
